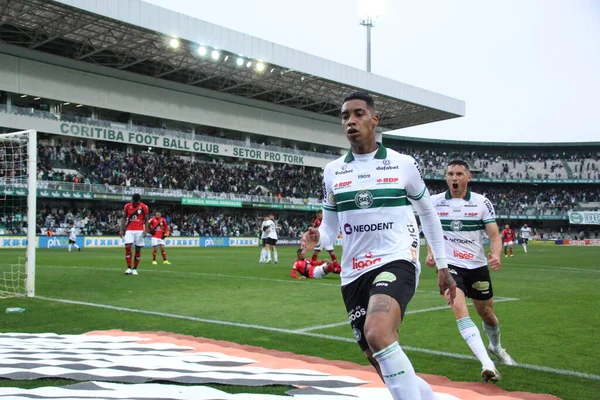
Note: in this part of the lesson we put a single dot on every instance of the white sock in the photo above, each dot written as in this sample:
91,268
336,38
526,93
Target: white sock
319,272
275,257
425,390
493,334
398,373
525,247
69,247
262,255
76,246
470,333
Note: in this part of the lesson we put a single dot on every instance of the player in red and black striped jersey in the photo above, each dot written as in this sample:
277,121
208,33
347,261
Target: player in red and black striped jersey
307,268
159,229
133,224
315,256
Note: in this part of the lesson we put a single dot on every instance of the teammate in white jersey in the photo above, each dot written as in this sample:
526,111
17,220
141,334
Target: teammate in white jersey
263,240
270,228
366,193
73,237
525,235
465,216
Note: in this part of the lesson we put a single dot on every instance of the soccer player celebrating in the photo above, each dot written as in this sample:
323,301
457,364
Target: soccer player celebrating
465,216
508,238
312,269
73,237
317,250
158,229
380,266
135,218
525,235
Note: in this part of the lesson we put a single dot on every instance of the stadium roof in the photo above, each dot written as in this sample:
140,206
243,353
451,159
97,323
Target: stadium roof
133,36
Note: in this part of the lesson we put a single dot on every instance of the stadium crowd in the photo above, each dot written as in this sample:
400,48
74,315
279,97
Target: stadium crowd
159,170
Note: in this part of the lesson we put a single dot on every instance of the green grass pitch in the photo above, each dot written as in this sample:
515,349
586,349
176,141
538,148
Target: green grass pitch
549,310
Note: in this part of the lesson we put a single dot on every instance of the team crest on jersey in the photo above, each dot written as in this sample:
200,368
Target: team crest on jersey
331,198
456,225
363,199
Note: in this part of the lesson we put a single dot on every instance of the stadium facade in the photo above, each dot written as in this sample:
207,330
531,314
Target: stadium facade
137,78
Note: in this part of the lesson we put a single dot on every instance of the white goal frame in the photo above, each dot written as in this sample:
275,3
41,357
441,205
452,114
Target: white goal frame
31,206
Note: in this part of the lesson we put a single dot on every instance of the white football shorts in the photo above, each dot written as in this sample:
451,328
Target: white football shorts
508,243
157,242
134,237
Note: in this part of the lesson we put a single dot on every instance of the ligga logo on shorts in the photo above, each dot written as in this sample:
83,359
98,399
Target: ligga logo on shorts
481,286
385,277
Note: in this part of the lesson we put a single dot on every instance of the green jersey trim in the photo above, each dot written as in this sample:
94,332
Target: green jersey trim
376,193
419,196
380,155
489,221
464,225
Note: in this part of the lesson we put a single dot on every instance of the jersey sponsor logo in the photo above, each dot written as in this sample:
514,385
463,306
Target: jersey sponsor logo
443,214
443,203
387,181
387,166
385,277
363,199
357,313
343,170
489,206
471,214
342,185
481,286
456,225
365,263
463,255
381,226
458,240
364,176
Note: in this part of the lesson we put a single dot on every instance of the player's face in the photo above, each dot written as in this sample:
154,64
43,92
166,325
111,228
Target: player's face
157,214
506,227
359,123
458,178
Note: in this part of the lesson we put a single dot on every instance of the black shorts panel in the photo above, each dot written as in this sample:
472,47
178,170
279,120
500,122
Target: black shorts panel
475,283
71,241
525,240
396,279
271,242
264,241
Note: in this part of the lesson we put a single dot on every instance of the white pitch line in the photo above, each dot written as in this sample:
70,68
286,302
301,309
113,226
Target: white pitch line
422,310
317,335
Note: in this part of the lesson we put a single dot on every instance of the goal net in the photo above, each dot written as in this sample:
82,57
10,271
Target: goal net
18,171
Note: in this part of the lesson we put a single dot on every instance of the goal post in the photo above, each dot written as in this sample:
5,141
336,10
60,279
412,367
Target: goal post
18,174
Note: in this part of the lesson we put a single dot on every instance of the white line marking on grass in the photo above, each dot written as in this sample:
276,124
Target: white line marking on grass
316,335
422,310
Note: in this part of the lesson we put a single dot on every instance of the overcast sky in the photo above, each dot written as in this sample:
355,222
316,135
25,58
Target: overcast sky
527,69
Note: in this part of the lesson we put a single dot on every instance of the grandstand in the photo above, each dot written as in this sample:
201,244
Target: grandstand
124,101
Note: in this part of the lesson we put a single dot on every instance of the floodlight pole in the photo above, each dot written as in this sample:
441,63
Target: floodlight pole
368,22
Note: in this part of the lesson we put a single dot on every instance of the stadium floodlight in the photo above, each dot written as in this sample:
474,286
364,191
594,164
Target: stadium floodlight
23,96
369,11
202,51
79,105
37,98
215,55
272,69
66,104
260,67
226,58
174,43
249,64
240,61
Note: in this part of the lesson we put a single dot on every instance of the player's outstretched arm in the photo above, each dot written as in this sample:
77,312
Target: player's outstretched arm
495,245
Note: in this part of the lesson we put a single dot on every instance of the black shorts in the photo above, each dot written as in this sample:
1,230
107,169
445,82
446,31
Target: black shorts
475,283
525,240
399,284
71,241
271,242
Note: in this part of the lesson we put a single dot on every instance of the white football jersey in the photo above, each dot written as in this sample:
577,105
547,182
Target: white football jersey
73,234
271,229
263,232
525,232
463,221
370,195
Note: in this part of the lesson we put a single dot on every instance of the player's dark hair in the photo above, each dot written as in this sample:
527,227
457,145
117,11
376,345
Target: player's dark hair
298,252
364,96
136,197
460,163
